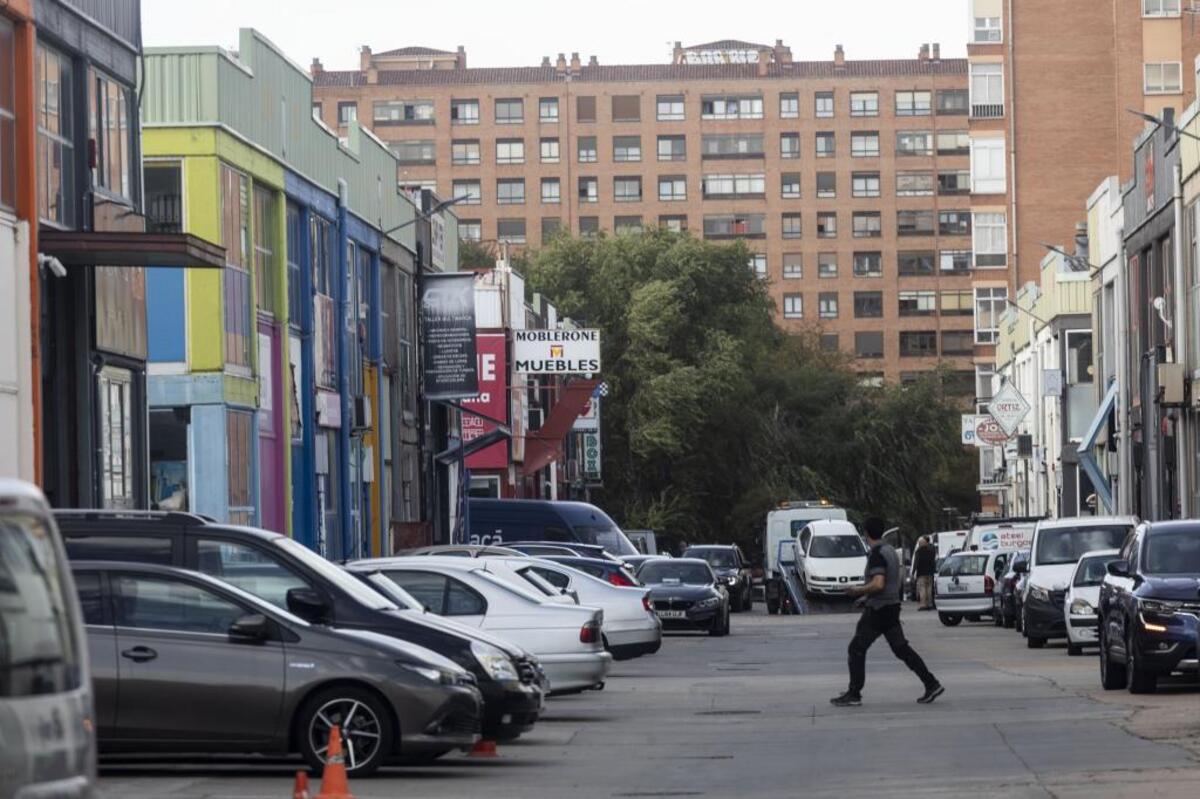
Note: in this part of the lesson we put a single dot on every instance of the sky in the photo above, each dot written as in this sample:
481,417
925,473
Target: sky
519,32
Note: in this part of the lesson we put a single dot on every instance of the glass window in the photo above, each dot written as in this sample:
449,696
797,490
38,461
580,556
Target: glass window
240,459
1160,8
827,305
1165,77
793,266
793,306
914,103
987,90
628,225
235,236
864,144
758,264
8,124
914,262
827,265
986,30
956,302
469,189
551,190
1059,545
990,240
464,112
789,183
461,600
426,587
753,185
627,148
827,225
108,128
347,112
249,568
404,112
987,166
958,342
585,109
868,304
548,151
868,344
826,185
792,225
91,597
910,142
54,101
627,189
914,223
548,109
953,142
826,144
626,108
589,225
914,184
865,184
164,197
670,107
164,603
464,152
470,230
418,151
587,149
789,145
954,223
118,482
736,107
868,264
953,181
917,303
551,226
266,267
510,191
789,105
672,188
952,102
829,342
736,145
510,111
589,190
954,261
672,148
864,104
823,104
734,225
673,223
866,225
510,151
989,305
918,343
511,230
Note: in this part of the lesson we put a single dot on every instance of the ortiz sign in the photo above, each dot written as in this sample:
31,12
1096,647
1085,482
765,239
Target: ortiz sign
556,352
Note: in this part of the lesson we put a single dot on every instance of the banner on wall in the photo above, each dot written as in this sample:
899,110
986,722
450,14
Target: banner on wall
448,336
491,401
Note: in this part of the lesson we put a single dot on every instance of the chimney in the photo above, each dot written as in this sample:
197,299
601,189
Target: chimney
764,62
677,53
315,68
460,58
545,61
574,63
593,62
364,58
783,54
923,53
937,51
839,58
560,66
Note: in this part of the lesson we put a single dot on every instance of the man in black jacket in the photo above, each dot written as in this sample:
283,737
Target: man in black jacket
924,565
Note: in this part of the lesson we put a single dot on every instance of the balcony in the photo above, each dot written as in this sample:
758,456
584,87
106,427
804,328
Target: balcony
987,110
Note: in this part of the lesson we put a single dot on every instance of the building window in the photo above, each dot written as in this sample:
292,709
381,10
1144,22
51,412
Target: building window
789,185
405,112
953,181
953,142
954,223
235,236
589,190
470,189
464,112
913,142
548,109
164,198
864,144
829,342
826,185
952,102
265,269
1160,8
627,148
987,166
864,184
955,302
793,266
589,225
239,445
587,149
958,342
736,145
510,111
322,260
914,103
758,264
1163,77
827,225
347,112
990,240
989,305
551,190
868,264
789,145
626,108
827,266
827,305
422,151
470,230
912,263
548,150
868,304
464,152
585,109
734,186
987,90
914,184
823,105
986,30
670,107
826,144
918,303
914,223
868,344
55,169
793,306
108,129
864,104
511,230
918,343
736,107
627,225
954,261
672,188
673,223
627,189
510,151
729,226
866,225
672,148
118,479
316,109
789,105
551,227
792,228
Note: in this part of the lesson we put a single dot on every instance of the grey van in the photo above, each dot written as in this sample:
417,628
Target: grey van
47,731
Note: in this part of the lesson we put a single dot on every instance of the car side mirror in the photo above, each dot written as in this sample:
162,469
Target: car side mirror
251,628
1118,568
308,604
1021,568
571,592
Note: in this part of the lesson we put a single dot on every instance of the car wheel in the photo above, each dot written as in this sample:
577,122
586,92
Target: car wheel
1074,650
748,601
1112,674
1019,622
365,722
721,627
950,619
997,617
1139,679
1009,621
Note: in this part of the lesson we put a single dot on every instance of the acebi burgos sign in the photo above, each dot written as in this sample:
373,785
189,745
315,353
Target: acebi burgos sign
556,352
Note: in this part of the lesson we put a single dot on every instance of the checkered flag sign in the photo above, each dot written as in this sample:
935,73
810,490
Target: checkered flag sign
601,390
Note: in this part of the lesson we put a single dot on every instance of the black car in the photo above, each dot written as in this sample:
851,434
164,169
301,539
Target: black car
687,595
606,570
1006,601
538,549
1150,607
289,575
731,569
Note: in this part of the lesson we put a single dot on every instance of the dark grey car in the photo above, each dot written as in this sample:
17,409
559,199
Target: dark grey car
182,662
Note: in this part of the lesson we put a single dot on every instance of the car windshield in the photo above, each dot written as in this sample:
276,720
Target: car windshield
674,573
358,590
836,546
1173,552
511,588
964,566
1057,545
717,558
609,537
1091,570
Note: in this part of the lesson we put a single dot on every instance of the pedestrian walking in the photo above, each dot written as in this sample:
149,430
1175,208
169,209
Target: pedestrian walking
924,565
881,616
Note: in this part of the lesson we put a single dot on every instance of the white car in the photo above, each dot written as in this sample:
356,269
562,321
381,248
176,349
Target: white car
567,639
1083,595
966,582
631,627
831,557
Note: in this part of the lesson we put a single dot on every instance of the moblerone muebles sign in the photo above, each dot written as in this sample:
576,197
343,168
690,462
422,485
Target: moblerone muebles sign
556,352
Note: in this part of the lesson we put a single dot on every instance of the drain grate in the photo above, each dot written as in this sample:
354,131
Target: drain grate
729,713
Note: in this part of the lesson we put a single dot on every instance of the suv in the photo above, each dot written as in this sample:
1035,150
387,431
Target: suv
289,575
731,569
1149,607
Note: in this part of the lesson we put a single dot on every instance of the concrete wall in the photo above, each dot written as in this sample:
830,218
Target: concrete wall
16,397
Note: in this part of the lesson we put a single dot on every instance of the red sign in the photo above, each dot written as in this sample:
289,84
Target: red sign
990,432
492,401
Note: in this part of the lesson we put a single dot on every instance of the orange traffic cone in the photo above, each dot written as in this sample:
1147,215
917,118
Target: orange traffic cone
334,784
300,791
484,748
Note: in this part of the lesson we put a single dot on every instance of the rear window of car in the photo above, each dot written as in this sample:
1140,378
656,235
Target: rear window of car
1091,571
964,566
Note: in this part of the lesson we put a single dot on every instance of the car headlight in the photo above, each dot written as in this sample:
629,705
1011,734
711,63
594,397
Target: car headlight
732,580
711,602
1081,607
1039,593
431,673
1160,606
495,662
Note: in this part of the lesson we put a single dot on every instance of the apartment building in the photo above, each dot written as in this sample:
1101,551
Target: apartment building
849,180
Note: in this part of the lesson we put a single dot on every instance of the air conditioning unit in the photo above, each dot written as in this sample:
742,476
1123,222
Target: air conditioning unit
362,412
1170,384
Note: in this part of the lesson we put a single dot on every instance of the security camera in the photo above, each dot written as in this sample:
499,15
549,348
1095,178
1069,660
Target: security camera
53,264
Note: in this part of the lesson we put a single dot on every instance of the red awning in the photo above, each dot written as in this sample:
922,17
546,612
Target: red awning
545,444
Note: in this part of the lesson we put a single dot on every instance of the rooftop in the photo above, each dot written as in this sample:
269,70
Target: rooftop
400,51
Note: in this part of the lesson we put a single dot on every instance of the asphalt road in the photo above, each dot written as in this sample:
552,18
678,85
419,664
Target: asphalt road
749,715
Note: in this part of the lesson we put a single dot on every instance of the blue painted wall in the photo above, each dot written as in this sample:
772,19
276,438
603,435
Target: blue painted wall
165,317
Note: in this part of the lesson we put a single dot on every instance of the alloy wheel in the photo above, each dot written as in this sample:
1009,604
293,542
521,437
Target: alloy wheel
361,730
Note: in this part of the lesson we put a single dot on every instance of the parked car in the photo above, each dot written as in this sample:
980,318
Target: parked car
461,551
1006,599
566,638
206,667
730,566
966,584
630,627
687,595
609,571
290,576
1083,594
539,550
47,741
500,521
831,557
1058,544
635,561
1149,607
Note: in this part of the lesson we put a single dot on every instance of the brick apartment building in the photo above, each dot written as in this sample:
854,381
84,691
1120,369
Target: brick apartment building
850,180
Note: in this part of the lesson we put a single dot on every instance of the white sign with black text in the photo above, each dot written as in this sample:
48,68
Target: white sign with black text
556,352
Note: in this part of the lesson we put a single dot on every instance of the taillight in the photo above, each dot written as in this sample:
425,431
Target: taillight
589,633
619,578
646,603
989,585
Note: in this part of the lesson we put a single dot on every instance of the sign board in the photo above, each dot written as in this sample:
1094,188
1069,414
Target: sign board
1008,408
1052,382
437,240
591,456
969,422
590,418
492,400
448,333
987,432
556,352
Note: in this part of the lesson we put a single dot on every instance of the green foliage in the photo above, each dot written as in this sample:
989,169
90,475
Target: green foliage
714,414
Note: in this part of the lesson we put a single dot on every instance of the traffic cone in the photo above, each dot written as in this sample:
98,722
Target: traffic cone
300,790
484,747
334,784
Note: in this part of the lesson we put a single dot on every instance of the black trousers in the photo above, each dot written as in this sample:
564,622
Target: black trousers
873,623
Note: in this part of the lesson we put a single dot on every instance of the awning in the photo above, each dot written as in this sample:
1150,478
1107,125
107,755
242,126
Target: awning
545,445
1086,459
130,248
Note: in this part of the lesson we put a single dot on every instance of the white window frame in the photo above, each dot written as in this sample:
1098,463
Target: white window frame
989,236
988,173
463,188
860,142
758,264
1161,8
986,84
1162,86
867,104
794,270
869,182
514,149
827,305
678,188
986,30
544,146
545,103
552,197
793,306
789,105
675,106
989,300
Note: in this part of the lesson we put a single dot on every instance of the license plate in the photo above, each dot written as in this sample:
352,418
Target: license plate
956,589
671,614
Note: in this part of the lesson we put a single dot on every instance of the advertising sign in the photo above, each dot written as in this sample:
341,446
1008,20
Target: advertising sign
1008,408
448,336
590,418
437,240
492,400
556,352
969,422
591,456
987,432
1052,382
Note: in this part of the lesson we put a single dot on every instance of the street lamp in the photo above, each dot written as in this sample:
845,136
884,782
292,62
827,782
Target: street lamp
1153,120
442,206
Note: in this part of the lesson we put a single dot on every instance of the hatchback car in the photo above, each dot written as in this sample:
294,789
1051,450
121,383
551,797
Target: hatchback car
830,557
1149,607
731,568
1083,594
966,584
184,663
686,594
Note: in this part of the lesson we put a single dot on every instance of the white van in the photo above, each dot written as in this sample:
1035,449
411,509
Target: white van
783,527
830,557
1001,534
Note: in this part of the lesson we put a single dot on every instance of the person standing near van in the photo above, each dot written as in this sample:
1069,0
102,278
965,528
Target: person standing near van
881,616
924,565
